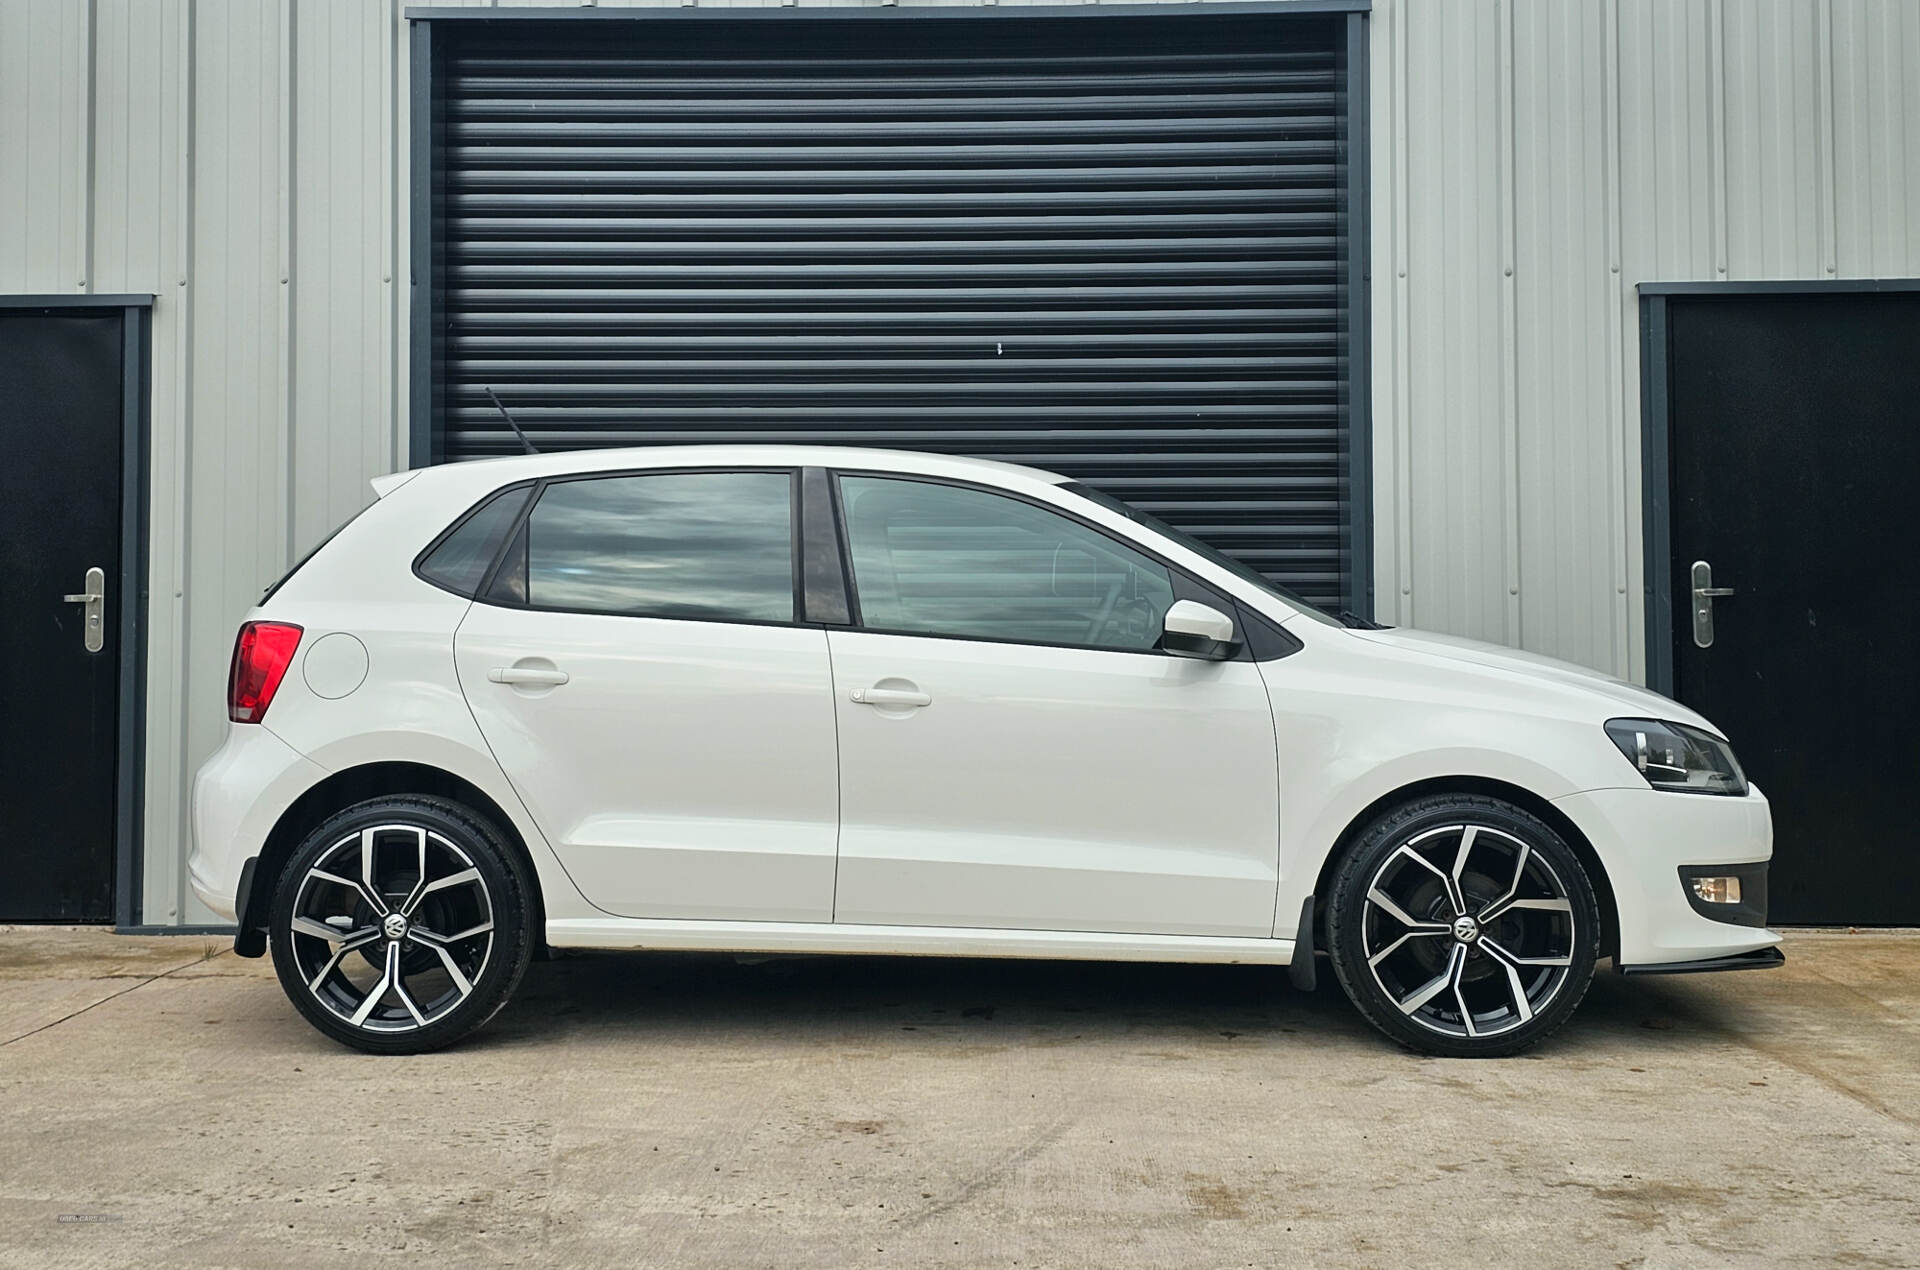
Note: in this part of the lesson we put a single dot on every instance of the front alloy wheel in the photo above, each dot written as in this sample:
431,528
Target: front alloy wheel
401,925
1463,926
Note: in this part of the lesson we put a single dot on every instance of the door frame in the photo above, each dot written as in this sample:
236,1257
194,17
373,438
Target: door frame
1656,433
130,626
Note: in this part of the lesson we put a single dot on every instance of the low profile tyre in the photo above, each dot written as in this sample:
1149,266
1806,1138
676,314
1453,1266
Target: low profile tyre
402,924
1463,926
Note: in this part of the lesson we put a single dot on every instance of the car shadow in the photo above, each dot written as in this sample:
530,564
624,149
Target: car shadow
662,996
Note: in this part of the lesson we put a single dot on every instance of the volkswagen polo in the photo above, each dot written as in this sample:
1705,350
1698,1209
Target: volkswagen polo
806,700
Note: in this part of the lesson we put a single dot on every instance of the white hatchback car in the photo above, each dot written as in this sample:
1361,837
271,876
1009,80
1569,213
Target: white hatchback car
799,700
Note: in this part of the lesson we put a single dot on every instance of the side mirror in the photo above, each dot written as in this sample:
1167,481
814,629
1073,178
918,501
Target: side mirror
1193,629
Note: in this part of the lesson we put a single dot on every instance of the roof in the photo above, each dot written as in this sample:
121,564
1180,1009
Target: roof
495,472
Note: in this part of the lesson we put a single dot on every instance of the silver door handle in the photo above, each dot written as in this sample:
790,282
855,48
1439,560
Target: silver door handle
94,634
526,675
1703,595
890,698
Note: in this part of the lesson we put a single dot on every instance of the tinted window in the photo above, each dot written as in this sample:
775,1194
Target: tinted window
944,560
710,545
1239,568
462,557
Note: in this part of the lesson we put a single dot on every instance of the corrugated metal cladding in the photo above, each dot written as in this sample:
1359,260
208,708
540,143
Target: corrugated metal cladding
246,161
1113,247
1534,161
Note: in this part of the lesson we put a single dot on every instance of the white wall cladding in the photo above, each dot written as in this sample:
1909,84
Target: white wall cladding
245,161
1533,162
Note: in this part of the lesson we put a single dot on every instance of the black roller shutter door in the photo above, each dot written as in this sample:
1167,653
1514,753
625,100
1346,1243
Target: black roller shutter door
1112,247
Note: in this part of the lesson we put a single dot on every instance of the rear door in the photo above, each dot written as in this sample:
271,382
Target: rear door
636,666
1016,753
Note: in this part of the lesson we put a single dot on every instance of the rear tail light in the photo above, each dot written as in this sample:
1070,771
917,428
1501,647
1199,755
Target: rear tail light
261,656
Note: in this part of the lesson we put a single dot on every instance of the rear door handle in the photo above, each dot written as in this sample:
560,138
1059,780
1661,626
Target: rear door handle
527,675
891,698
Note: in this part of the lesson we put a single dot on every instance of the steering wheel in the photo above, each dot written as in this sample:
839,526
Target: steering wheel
1105,614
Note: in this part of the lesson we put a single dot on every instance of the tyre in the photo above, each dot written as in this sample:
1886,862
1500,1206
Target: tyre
1463,926
402,924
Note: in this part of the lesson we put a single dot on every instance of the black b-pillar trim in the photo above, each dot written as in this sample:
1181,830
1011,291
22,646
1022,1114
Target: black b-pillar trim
823,572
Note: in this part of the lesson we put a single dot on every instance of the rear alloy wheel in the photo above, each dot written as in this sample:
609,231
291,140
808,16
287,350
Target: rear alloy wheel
1463,926
401,925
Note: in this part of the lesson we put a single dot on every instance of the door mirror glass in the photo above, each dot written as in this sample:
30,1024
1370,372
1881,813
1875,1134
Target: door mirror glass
1194,629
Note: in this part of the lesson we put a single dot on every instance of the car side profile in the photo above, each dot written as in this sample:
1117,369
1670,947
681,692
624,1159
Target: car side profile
788,699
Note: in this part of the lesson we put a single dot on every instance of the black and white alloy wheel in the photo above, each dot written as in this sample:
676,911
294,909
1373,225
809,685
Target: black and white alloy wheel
401,925
1463,926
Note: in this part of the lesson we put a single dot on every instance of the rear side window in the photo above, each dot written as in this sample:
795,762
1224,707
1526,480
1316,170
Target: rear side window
459,560
708,546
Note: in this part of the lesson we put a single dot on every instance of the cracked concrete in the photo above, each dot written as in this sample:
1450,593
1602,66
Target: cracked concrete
163,1104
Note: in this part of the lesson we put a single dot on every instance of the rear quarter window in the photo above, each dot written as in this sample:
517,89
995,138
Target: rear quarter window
458,561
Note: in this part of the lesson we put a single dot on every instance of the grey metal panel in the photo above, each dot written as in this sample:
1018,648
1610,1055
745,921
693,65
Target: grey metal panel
1876,137
1536,161
46,64
1115,248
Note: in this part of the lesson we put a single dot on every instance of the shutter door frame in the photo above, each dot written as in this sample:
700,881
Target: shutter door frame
436,34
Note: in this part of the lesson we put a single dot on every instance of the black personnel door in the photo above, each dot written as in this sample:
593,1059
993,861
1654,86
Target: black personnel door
1794,439
61,417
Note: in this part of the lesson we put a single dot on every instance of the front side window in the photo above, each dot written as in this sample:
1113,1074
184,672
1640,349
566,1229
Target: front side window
947,560
1238,568
711,546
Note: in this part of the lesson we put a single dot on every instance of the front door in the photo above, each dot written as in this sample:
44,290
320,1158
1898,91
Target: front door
61,413
1014,751
1795,443
637,670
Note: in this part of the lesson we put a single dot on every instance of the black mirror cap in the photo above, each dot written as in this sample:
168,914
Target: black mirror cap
1198,646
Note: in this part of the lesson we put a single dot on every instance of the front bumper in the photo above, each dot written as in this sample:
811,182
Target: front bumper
1649,840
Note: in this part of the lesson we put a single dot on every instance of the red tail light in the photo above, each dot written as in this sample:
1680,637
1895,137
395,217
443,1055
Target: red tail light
261,656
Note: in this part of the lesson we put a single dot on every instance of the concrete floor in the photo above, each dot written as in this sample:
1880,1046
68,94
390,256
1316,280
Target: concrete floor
161,1103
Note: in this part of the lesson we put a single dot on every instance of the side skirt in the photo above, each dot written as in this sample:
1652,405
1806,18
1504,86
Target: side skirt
910,941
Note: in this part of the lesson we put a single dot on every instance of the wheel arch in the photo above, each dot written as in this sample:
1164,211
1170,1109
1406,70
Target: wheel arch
343,789
1520,797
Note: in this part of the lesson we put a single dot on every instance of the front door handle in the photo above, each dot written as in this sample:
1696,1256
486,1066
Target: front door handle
1704,594
890,698
527,675
94,598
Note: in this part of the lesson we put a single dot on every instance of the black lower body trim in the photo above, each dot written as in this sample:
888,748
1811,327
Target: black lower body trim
1301,969
1758,959
250,940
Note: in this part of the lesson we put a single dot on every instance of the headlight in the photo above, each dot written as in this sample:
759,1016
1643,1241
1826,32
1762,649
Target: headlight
1676,757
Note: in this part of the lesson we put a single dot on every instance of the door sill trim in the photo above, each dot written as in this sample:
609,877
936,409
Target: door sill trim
910,941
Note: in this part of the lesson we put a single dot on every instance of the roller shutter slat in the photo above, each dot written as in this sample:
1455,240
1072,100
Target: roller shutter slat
1111,248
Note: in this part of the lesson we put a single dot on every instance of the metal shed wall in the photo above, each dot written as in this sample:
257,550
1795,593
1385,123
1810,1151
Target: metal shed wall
1534,162
205,150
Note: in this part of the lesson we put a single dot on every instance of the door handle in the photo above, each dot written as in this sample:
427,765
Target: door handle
94,598
890,698
527,675
1704,594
